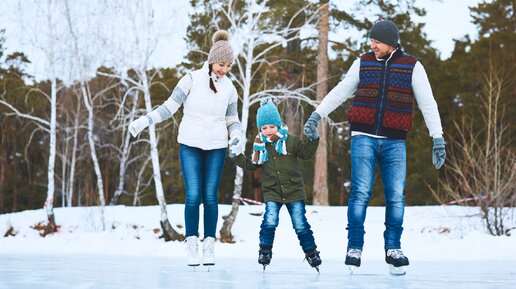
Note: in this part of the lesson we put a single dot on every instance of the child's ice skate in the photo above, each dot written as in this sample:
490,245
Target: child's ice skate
313,258
397,261
353,257
264,256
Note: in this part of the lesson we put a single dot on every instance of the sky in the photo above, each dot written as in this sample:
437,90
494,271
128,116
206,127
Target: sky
446,20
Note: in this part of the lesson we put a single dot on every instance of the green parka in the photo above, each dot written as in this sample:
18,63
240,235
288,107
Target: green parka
282,180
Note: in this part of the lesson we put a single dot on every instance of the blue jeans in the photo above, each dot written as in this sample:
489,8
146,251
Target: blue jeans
201,172
297,214
390,154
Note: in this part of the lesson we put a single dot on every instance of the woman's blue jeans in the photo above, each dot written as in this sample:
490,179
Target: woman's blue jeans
390,154
297,213
201,172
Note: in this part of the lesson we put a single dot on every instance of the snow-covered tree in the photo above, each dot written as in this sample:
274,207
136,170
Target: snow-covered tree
134,32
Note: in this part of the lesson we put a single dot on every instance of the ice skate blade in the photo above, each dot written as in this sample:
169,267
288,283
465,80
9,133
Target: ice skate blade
397,271
317,268
352,269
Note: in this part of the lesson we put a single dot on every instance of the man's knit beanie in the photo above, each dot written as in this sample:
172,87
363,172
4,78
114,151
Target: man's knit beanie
385,31
221,49
267,114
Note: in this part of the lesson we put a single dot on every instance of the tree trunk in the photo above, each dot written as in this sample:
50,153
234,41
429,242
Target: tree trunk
123,158
49,202
225,231
169,234
320,192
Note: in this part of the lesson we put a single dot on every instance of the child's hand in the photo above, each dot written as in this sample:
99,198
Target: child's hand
310,128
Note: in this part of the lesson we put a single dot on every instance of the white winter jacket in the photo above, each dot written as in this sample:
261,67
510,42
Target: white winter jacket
208,116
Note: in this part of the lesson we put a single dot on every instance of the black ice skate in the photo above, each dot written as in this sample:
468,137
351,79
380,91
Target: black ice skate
264,256
353,257
313,258
397,261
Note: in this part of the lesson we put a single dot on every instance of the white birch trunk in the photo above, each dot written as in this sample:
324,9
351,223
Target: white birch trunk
124,156
168,232
74,156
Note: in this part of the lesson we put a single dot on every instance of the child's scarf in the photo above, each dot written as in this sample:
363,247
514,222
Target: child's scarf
279,140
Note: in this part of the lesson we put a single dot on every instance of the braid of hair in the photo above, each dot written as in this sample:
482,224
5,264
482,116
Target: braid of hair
212,85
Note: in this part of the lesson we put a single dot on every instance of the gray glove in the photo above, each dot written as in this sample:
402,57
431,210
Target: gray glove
310,128
438,153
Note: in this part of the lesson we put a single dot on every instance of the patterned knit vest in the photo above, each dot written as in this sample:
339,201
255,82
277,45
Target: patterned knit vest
384,99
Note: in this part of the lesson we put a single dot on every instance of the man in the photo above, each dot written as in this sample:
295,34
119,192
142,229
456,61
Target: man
384,82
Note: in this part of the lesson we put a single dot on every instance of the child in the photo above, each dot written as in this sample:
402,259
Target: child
276,153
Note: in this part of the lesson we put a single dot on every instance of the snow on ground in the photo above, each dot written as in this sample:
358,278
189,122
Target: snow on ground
447,245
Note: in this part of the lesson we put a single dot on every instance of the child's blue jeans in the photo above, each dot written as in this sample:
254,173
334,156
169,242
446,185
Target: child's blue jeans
297,214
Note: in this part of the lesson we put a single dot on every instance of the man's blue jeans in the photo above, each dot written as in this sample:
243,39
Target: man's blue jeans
390,154
297,214
201,172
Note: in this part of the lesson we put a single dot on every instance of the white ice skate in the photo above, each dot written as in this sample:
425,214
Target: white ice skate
208,257
192,249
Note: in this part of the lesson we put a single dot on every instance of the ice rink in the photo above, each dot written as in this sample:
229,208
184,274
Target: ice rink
111,271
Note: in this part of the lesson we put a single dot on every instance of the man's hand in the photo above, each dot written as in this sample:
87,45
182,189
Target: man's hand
438,152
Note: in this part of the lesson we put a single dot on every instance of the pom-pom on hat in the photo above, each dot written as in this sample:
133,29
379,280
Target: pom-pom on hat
221,49
268,114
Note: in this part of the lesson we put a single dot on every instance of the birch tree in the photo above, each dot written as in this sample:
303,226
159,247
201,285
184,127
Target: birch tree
320,188
84,56
44,33
135,34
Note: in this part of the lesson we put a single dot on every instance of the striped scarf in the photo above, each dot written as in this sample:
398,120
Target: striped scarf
279,140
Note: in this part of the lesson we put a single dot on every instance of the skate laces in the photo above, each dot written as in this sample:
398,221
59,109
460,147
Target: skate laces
354,253
209,245
191,245
395,253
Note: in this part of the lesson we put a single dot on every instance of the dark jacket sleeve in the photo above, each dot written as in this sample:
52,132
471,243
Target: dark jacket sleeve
305,150
245,163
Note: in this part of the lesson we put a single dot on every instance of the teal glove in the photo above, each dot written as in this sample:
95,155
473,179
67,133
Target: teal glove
310,128
438,153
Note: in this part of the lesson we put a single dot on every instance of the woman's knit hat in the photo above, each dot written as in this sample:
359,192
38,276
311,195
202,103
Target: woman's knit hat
385,31
221,49
268,114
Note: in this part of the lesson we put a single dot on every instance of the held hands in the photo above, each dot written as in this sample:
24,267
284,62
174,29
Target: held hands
310,128
438,152
138,125
235,146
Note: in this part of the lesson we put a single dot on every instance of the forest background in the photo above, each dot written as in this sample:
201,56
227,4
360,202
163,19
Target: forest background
64,139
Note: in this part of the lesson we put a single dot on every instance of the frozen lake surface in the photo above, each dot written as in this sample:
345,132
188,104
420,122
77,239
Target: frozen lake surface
23,271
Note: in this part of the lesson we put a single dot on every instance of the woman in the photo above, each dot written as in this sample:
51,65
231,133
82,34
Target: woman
209,99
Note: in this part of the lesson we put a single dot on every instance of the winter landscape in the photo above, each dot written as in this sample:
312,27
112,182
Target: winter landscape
447,246
83,204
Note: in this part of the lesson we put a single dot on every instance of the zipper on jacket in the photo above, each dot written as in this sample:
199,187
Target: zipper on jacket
379,119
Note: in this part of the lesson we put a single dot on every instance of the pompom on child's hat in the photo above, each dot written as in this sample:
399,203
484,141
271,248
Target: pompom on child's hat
268,114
